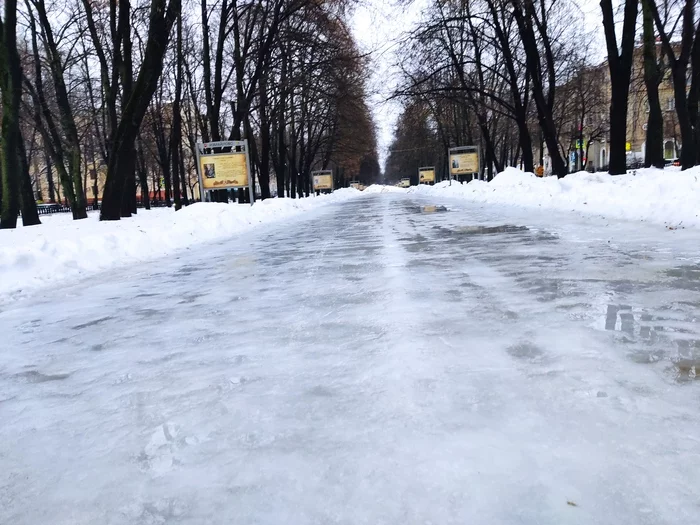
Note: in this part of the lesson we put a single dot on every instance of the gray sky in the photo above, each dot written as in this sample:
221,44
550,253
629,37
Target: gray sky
378,25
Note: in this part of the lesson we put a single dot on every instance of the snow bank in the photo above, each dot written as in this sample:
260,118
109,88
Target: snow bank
668,197
62,248
379,188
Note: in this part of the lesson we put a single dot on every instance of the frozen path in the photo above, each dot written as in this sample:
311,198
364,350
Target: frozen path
374,362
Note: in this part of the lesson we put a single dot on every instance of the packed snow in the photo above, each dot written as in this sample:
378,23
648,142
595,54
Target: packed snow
667,197
377,361
379,188
62,248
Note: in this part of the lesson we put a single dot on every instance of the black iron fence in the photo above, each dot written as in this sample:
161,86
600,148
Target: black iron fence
50,209
57,207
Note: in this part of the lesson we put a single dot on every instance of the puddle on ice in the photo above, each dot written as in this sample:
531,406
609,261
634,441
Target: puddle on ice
37,377
488,230
685,277
687,369
670,335
526,350
484,230
691,273
432,208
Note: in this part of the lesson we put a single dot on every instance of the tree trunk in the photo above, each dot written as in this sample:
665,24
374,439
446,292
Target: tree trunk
143,178
292,182
176,129
533,63
694,94
688,153
489,146
49,177
618,129
653,75
282,174
128,204
11,85
183,177
264,173
30,214
581,165
253,157
163,149
620,66
520,108
525,141
145,197
78,204
679,56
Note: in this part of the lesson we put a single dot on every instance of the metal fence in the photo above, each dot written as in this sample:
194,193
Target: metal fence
50,209
57,207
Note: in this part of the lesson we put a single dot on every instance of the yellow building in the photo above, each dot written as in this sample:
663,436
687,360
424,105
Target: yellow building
591,90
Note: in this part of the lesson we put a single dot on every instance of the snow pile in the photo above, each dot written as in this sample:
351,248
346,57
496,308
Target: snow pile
62,248
379,188
667,197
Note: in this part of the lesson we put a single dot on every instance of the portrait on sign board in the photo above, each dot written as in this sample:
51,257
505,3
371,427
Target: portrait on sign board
224,170
464,163
323,180
426,175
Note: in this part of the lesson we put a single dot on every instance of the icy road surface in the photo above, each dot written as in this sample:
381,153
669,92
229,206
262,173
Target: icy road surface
373,362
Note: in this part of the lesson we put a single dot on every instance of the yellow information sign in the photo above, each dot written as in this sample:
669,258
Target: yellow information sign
426,175
323,180
223,170
464,163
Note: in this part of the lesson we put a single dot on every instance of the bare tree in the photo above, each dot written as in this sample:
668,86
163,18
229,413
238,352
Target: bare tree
679,58
16,185
64,146
620,64
137,97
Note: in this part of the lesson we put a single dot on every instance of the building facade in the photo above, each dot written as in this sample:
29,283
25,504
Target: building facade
583,112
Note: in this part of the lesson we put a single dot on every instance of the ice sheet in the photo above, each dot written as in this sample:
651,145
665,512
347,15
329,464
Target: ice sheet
379,361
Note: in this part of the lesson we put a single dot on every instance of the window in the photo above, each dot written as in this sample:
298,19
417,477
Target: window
671,104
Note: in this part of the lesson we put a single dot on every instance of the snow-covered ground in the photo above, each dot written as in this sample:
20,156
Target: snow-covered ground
61,248
379,188
667,197
379,361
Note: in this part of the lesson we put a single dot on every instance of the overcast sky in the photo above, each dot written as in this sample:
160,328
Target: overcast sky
378,26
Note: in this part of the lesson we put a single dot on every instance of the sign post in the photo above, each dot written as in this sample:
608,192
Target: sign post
426,175
464,161
322,180
224,170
